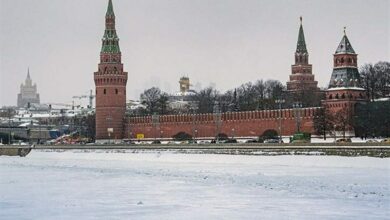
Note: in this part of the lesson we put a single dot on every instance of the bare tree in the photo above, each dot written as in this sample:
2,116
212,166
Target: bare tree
376,79
155,101
323,121
205,99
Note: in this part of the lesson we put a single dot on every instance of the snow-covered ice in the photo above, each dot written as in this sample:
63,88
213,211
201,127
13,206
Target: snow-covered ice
164,185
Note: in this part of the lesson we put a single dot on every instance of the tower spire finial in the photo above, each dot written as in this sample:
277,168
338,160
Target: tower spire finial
301,44
28,72
345,32
110,9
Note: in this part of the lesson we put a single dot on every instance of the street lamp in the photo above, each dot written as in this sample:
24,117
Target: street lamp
233,133
217,118
109,129
280,102
297,115
155,122
9,126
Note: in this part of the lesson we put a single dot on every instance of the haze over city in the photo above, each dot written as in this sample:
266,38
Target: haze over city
209,41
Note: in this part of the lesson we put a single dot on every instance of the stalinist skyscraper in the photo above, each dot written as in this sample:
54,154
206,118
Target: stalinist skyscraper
28,93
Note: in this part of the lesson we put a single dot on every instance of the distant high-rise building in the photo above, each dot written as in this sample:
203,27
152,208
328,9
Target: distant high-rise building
301,77
110,83
28,93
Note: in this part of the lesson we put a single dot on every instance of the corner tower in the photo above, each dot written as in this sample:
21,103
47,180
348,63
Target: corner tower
344,89
110,84
301,77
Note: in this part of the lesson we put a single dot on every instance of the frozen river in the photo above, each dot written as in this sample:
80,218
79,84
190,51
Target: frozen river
100,185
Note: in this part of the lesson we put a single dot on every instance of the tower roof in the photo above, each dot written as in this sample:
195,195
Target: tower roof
110,9
110,37
344,46
301,44
28,73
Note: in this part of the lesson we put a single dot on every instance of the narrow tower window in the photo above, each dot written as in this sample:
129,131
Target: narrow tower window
104,91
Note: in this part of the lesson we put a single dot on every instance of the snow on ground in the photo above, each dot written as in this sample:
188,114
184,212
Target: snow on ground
100,185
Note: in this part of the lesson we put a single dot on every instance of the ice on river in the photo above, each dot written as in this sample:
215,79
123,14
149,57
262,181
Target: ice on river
101,185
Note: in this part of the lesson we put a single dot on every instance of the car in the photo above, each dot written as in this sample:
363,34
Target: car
231,141
371,141
156,142
251,141
386,141
344,140
192,142
273,141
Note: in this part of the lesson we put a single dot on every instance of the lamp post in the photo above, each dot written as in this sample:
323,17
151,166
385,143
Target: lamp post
280,102
217,118
297,109
233,133
109,129
9,126
196,132
155,121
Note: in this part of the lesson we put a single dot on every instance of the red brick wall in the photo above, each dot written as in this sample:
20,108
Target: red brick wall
245,124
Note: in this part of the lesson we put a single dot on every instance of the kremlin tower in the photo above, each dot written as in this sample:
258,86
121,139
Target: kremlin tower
110,82
344,89
301,77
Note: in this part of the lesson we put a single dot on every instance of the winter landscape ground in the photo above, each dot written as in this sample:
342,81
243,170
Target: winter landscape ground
165,185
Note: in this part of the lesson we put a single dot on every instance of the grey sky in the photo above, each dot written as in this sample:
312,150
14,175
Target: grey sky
225,42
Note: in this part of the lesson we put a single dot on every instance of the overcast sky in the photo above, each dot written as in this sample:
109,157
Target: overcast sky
215,42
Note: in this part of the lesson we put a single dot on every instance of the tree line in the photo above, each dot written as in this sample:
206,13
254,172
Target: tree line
262,94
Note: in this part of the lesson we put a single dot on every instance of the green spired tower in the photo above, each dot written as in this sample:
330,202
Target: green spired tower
110,83
301,77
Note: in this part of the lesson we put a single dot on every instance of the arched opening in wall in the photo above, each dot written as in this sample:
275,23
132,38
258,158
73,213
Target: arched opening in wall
349,60
105,69
116,91
360,95
342,59
350,96
330,96
115,70
104,91
343,96
337,96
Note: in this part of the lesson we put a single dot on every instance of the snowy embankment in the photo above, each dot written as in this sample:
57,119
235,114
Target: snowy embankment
163,185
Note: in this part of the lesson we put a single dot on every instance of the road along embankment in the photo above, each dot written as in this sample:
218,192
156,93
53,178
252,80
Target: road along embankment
350,149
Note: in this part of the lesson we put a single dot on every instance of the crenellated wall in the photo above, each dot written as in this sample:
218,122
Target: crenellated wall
237,124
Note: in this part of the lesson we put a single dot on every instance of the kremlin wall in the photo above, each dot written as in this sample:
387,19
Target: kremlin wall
110,80
233,124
